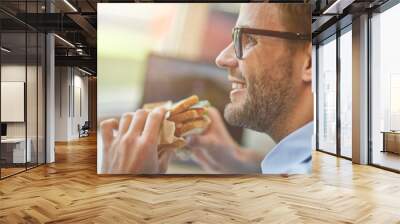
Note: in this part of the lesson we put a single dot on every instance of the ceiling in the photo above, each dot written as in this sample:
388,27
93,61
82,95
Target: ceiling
76,22
330,16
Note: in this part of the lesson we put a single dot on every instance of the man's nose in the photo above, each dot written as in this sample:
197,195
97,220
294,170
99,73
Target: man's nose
227,58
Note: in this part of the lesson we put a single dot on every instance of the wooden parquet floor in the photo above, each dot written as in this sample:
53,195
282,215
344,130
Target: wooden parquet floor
70,191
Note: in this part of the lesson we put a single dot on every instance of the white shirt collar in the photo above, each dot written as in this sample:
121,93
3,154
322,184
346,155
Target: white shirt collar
292,155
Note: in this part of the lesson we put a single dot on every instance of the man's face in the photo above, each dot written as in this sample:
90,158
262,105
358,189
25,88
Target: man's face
263,86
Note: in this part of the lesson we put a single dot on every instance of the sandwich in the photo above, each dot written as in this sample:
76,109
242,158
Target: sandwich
184,118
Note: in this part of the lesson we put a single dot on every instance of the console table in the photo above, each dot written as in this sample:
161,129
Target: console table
13,150
391,141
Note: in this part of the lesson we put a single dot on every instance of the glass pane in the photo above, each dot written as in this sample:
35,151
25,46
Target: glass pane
31,88
23,111
327,96
386,89
41,99
346,94
31,97
13,86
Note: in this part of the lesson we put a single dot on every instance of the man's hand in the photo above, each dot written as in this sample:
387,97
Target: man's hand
133,150
217,152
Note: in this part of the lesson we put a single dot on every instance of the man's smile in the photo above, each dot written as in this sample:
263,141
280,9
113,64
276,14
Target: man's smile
239,88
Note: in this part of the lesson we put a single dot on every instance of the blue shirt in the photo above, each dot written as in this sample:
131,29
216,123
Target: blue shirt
292,155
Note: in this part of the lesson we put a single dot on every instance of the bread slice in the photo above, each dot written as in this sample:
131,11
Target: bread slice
186,117
167,132
191,114
151,106
184,105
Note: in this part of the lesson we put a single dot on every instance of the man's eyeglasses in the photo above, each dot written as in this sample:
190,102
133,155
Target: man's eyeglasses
238,31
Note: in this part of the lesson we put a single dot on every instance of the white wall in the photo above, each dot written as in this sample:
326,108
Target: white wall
33,127
12,73
70,83
80,84
62,81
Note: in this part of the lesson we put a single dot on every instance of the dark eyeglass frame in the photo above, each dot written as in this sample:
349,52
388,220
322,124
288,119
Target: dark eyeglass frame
238,31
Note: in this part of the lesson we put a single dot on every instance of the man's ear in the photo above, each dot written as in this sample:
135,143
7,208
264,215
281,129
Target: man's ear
307,66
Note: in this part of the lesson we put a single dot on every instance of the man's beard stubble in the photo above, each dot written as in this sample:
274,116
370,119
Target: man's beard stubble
267,102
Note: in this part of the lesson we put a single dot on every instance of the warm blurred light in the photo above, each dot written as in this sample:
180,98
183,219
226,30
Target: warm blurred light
84,71
65,41
70,5
5,50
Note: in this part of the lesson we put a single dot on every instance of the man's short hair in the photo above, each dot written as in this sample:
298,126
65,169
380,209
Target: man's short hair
296,17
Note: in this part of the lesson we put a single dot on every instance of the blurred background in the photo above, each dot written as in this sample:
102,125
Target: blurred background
156,52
